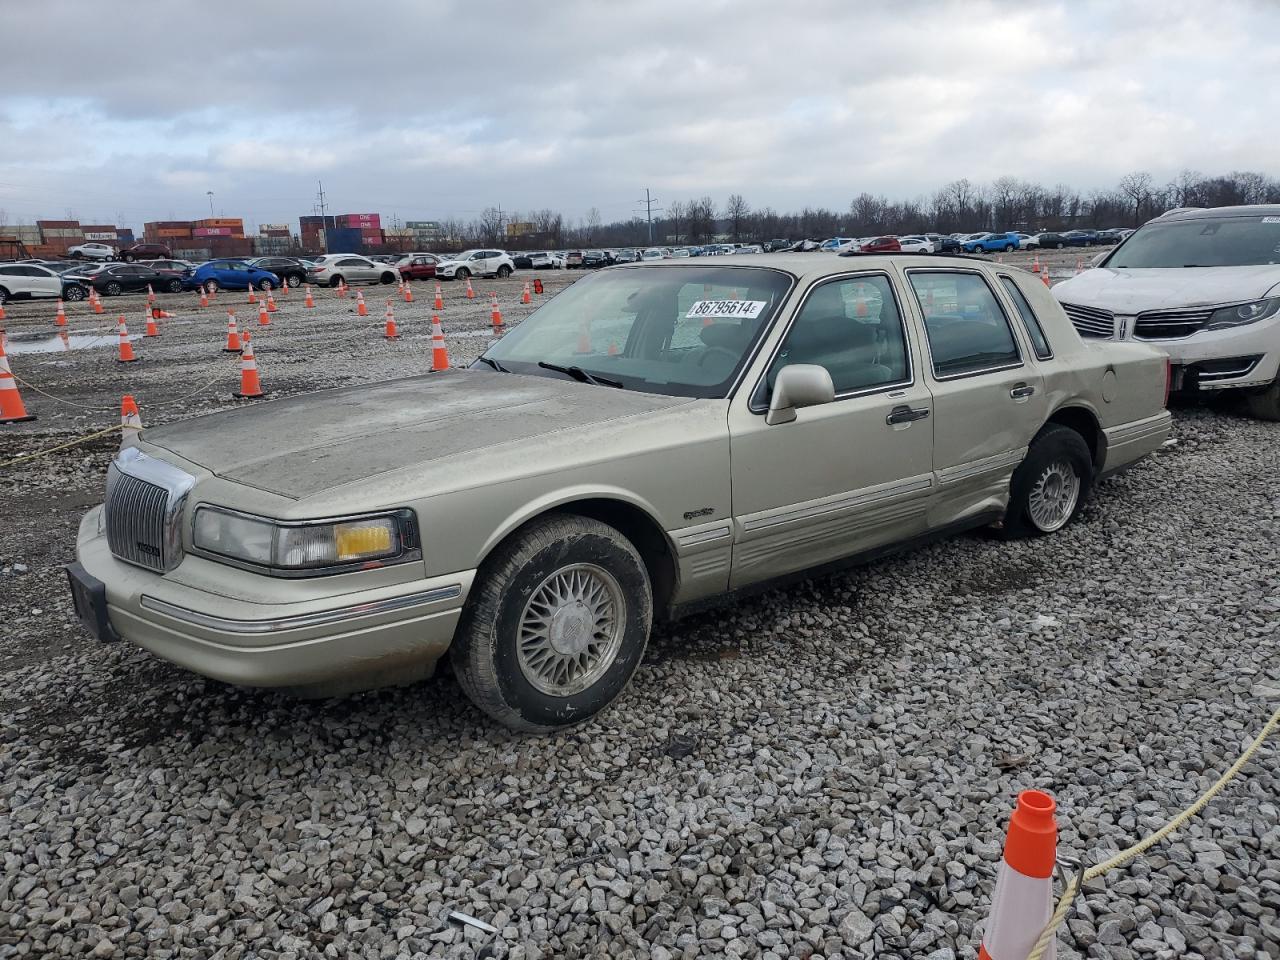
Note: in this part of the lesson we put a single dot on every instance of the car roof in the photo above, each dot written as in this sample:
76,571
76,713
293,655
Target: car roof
806,265
1206,213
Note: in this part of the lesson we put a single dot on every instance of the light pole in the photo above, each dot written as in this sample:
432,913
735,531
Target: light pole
209,194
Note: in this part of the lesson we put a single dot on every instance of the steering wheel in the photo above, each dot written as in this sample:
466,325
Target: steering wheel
733,356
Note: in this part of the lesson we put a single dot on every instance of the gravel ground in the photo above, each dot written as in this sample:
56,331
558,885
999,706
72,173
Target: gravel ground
824,771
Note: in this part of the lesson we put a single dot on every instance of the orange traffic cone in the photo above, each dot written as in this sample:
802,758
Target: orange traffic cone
1035,264
252,298
130,419
11,408
61,319
284,287
439,354
495,315
471,294
233,334
249,385
126,348
408,291
96,300
151,294
1023,899
392,333
310,301
342,288
158,314
860,302
152,329
1079,264
204,297
439,304
524,297
1045,277
271,303
62,335
264,316
361,309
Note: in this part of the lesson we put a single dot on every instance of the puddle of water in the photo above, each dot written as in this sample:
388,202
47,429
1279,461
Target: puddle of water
17,343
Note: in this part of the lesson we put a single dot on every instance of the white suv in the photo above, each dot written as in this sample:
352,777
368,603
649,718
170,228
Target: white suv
1204,286
476,263
92,251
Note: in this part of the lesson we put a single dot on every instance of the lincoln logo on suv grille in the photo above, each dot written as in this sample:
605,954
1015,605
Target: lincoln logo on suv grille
147,548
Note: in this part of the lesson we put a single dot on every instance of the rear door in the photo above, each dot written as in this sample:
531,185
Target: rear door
44,282
989,396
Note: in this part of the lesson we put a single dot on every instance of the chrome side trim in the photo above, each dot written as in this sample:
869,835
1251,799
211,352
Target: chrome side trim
320,618
1137,429
862,498
683,541
976,467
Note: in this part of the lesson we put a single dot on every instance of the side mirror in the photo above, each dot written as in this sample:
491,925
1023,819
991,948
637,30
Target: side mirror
798,385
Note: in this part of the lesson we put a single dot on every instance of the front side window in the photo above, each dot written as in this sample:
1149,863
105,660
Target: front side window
967,329
1203,242
1029,319
854,329
682,331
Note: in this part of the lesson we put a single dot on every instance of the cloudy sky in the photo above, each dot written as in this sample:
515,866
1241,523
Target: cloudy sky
426,110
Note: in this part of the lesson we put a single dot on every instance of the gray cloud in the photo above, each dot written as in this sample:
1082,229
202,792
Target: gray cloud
439,109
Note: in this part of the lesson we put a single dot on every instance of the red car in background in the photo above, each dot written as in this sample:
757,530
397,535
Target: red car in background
418,266
882,245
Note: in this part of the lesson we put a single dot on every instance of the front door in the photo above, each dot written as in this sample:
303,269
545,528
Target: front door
989,399
843,477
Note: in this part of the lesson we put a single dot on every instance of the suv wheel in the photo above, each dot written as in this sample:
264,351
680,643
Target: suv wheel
211,285
113,289
335,281
127,257
1265,403
555,626
73,292
462,274
387,278
265,285
1050,485
293,280
174,286
503,272
1009,248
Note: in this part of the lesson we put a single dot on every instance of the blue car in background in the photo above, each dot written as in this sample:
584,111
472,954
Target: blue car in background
991,242
230,275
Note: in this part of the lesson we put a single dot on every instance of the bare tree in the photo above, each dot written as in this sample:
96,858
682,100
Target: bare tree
591,226
736,211
702,219
1137,187
490,226
677,213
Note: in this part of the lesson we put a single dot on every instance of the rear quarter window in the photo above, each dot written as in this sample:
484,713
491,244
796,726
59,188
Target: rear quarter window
1030,321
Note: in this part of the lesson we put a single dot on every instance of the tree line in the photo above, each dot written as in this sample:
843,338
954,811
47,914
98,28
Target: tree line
1006,203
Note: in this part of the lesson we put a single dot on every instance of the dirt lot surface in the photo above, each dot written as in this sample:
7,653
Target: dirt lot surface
824,771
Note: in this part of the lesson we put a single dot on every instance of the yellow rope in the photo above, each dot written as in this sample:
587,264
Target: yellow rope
1124,856
62,446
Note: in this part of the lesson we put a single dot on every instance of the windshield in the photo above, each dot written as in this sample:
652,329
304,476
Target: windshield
1213,242
682,331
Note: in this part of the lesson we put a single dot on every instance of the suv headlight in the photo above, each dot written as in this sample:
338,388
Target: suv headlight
1243,313
289,548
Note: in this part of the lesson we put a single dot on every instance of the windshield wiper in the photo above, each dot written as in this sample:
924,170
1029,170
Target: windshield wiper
493,363
580,375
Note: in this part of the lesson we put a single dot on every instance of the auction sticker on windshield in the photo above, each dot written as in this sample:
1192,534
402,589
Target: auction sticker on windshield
749,309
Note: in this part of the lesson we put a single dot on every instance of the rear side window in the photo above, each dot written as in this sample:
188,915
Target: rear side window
1029,320
967,329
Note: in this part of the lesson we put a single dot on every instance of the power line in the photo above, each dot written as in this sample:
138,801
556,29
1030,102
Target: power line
649,202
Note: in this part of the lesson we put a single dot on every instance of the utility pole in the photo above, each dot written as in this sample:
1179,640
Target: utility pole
209,193
648,202
321,204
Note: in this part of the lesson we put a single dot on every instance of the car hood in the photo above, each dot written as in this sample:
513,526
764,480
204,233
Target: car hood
1135,290
305,445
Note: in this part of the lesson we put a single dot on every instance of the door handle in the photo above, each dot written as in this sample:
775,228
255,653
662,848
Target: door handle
1022,391
905,414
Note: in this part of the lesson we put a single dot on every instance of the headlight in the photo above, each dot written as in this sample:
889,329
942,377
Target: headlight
293,549
1243,313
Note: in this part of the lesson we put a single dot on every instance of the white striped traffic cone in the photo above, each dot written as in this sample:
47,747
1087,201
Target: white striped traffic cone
1023,900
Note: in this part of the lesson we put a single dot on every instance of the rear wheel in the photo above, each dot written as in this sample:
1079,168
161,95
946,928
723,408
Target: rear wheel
73,293
503,272
174,286
211,286
113,289
335,281
1050,485
127,258
1009,248
556,625
293,280
4,295
387,278
1265,403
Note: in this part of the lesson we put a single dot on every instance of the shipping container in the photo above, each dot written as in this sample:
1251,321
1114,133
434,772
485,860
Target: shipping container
58,224
211,232
232,222
197,254
268,227
62,232
343,240
101,236
166,225
365,220
124,234
317,221
176,233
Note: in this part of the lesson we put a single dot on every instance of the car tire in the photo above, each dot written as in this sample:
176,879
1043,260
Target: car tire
1265,403
265,285
76,255
113,289
462,273
211,286
73,293
127,258
505,652
1009,248
175,286
335,281
503,272
1050,485
293,280
1059,245
387,278
4,295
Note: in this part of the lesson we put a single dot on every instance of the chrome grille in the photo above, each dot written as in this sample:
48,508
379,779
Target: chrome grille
144,506
135,519
1170,324
1091,322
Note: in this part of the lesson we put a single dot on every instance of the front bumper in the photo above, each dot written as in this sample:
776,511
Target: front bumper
351,638
1246,356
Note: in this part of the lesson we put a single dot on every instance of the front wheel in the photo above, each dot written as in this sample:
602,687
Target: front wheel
556,625
175,286
127,258
1050,485
462,274
211,286
387,278
335,281
1265,403
293,280
113,289
503,272
265,285
1009,248
73,293
1059,245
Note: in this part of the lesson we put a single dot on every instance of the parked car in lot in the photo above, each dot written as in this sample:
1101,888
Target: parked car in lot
1111,236
31,281
289,270
92,251
777,246
943,243
627,256
833,244
654,253
1080,238
880,245
654,438
173,273
573,260
145,251
335,269
1007,241
230,274
114,279
593,259
418,266
476,263
1202,285
1046,241
914,244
